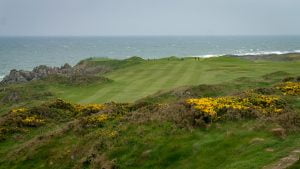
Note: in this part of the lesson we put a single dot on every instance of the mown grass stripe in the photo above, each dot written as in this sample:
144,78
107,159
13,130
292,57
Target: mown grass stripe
196,74
118,86
144,85
172,75
169,83
151,84
134,82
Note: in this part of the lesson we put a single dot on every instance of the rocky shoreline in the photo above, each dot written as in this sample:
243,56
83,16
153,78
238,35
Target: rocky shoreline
43,71
84,68
39,72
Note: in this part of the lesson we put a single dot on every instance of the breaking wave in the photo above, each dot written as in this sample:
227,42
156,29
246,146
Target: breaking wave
1,77
249,53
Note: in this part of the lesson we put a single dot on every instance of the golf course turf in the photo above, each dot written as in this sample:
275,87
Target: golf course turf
207,113
148,77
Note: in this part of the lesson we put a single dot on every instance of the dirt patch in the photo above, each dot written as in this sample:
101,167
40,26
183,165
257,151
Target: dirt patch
285,162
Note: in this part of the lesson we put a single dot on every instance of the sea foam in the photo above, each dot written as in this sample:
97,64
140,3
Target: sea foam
268,53
249,53
1,77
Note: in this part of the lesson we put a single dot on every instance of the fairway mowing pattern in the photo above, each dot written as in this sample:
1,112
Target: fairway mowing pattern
197,74
126,84
174,76
140,80
143,86
187,73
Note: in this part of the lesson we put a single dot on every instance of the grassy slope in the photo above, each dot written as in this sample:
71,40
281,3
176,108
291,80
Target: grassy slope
225,145
137,81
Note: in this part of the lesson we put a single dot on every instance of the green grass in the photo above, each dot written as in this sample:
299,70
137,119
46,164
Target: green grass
228,146
295,166
225,145
147,77
158,143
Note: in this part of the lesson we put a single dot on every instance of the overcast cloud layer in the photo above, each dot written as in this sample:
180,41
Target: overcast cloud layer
149,17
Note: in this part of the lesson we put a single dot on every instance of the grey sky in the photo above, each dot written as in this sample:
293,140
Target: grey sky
149,17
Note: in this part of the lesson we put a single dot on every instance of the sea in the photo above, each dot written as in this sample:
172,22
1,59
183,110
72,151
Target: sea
27,52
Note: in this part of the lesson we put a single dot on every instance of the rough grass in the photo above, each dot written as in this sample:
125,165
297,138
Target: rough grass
147,77
228,145
295,166
152,142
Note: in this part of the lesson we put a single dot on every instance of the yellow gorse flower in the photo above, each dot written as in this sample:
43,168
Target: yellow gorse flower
290,88
93,108
32,121
19,110
98,119
107,133
212,106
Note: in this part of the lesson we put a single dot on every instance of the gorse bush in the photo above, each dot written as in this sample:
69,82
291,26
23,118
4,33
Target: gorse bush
89,108
76,108
19,110
290,88
53,111
107,133
96,120
214,108
61,104
33,121
194,112
23,117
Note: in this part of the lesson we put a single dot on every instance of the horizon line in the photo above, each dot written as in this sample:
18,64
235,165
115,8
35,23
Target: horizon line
163,35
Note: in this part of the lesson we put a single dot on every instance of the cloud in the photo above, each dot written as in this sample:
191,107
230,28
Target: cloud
149,17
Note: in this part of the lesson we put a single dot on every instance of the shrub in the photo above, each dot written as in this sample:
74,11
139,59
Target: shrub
290,88
22,119
32,121
107,133
55,111
289,121
288,79
98,119
4,131
89,108
19,110
245,104
61,104
264,91
92,121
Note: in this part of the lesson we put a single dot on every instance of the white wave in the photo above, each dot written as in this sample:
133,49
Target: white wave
249,53
1,77
268,53
297,51
209,56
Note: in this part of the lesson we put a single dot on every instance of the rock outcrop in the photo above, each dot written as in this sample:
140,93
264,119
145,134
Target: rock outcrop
79,71
42,71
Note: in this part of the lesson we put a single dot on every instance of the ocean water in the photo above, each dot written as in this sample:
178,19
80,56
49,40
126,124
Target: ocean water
28,52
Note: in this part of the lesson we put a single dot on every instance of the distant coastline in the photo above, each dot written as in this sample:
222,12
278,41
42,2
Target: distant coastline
27,52
274,56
